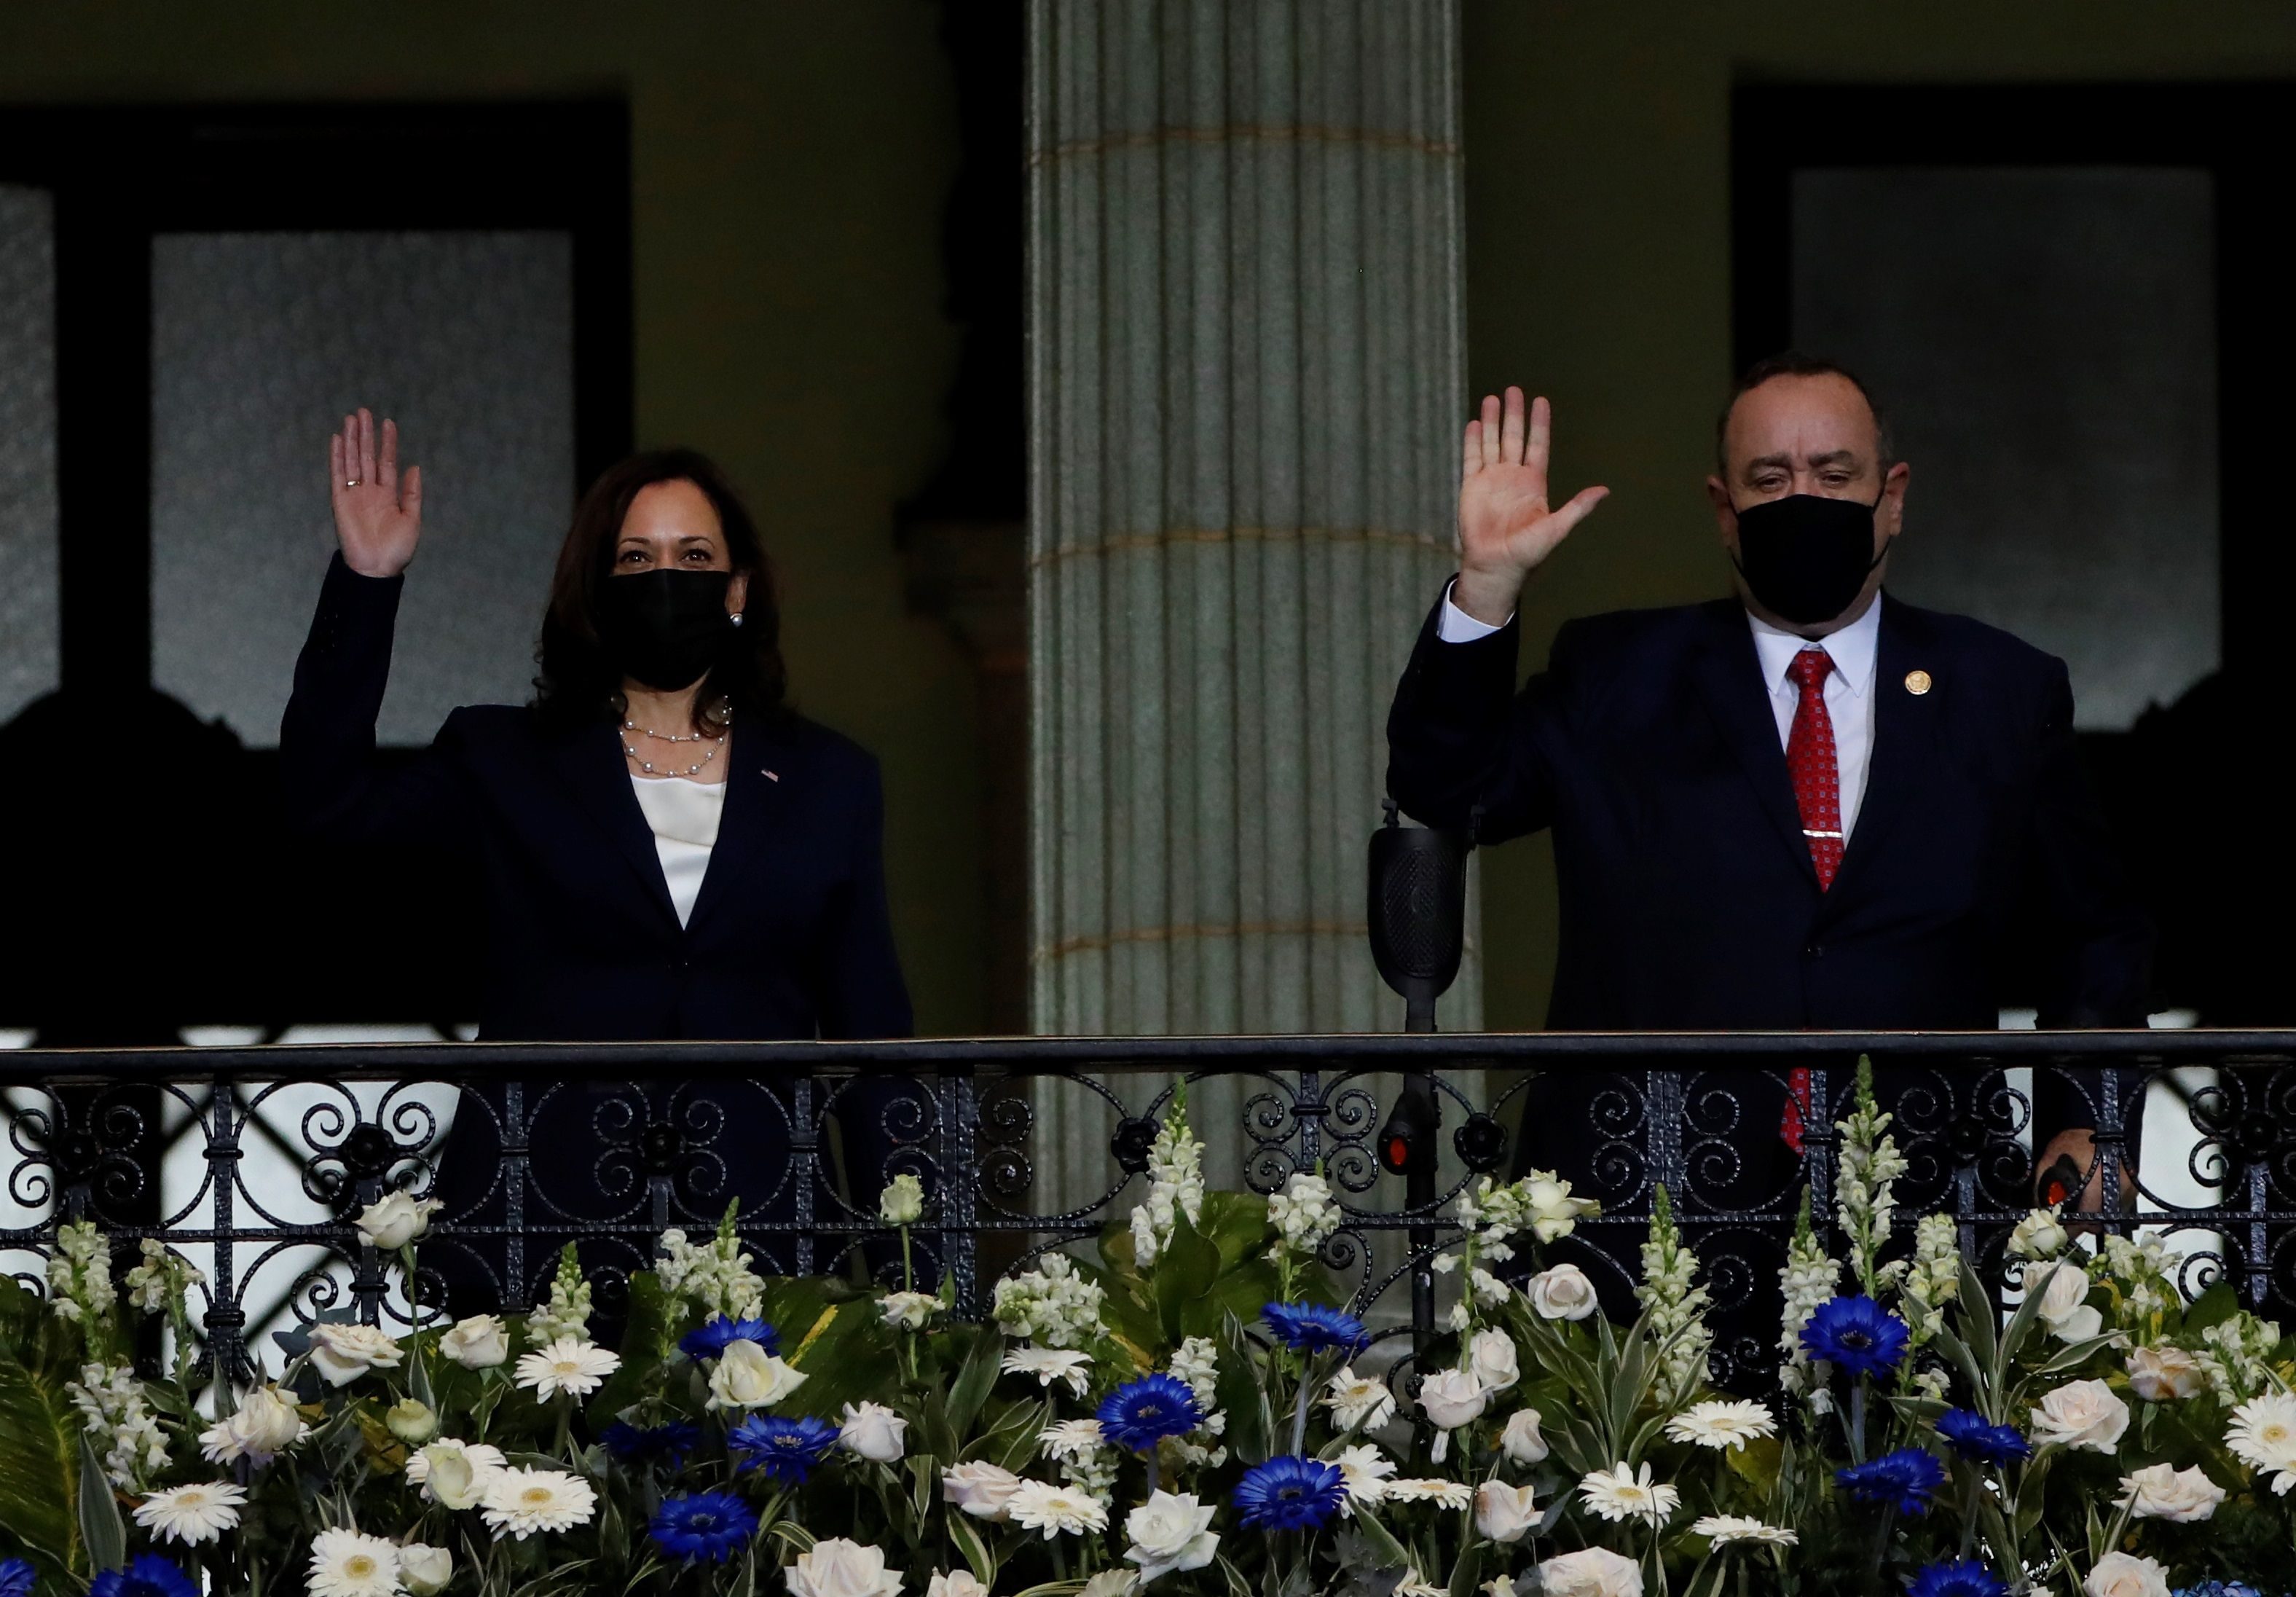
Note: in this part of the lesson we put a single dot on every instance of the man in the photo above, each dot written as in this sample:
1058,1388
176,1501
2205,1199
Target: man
1808,806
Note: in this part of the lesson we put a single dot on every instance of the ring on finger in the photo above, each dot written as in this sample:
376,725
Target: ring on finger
354,483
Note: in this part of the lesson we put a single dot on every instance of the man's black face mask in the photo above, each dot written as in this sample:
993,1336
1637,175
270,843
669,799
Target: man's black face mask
665,629
1805,556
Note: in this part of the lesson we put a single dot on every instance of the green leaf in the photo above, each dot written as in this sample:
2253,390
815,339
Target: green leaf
975,1377
39,1431
1184,1274
1251,1421
973,1548
2214,1306
100,1525
641,1341
1389,1552
1980,1315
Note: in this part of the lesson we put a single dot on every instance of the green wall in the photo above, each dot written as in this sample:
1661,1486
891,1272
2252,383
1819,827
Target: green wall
790,163
1598,269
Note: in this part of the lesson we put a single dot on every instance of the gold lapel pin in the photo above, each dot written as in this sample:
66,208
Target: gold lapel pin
1917,682
769,775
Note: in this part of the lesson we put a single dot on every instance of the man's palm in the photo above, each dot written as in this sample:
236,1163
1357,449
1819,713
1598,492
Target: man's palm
1506,527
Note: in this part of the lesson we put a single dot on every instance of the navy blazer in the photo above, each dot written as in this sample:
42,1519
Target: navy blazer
789,937
1687,896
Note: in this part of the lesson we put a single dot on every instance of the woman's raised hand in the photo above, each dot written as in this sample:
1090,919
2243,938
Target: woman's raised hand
378,513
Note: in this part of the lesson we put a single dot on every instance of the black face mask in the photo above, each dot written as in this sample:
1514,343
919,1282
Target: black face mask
1805,556
665,629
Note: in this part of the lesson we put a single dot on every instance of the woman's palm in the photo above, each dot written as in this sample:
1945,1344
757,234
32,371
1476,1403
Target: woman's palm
378,513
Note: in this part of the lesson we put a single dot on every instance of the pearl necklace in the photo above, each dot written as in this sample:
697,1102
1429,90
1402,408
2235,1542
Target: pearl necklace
694,770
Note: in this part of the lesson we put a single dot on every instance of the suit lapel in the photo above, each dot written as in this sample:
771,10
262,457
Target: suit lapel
589,761
1730,678
1905,743
759,785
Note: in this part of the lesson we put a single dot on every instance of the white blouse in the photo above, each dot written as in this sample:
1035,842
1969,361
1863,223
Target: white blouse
684,815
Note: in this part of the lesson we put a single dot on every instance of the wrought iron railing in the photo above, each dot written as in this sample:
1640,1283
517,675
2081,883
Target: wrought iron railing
252,1163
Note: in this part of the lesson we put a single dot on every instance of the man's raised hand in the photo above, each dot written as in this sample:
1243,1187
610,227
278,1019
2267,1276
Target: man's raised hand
377,514
1505,528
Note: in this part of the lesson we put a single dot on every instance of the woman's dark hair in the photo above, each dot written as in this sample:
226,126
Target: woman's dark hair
579,682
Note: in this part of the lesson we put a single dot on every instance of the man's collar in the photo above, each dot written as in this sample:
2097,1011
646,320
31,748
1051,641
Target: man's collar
1855,649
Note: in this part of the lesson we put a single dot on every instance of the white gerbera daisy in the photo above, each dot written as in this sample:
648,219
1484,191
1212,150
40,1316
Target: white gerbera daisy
1365,1472
1039,1505
1359,1401
519,1501
1725,1529
1049,1364
1072,1439
1442,1494
1618,1494
2263,1435
567,1365
1720,1425
193,1514
346,1564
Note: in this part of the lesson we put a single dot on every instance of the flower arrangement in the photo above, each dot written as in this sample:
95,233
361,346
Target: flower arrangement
1193,1409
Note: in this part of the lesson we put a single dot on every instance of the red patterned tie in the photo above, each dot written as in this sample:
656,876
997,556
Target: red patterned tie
1817,795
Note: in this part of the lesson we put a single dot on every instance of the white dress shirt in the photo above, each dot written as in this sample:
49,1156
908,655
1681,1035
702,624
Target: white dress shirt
1856,650
684,816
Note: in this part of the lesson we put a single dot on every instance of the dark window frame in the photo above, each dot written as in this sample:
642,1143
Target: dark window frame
2236,132
120,176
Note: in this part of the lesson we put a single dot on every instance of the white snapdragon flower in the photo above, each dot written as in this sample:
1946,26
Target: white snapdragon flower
1051,1304
1304,1216
1175,1184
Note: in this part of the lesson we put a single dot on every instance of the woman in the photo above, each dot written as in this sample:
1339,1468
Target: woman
661,848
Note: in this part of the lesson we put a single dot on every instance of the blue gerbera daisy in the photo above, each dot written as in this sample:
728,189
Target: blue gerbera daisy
149,1576
1289,1493
15,1577
787,1450
1311,1327
1903,1480
1856,1333
1964,1577
718,1332
1140,1413
706,1528
1968,1434
666,1444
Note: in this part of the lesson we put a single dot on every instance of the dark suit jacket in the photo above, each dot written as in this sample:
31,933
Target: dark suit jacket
789,938
1688,898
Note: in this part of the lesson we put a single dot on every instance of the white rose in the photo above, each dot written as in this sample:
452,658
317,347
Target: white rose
1505,1513
1597,1572
344,1353
1111,1583
264,1426
479,1343
875,1432
907,1310
955,1582
2064,1290
413,1422
1521,1440
1171,1531
2038,1236
1452,1397
453,1475
424,1570
980,1490
1554,1214
1491,1359
2122,1574
1561,1293
393,1220
2081,1413
2163,1492
2159,1374
902,1202
747,1377
837,1568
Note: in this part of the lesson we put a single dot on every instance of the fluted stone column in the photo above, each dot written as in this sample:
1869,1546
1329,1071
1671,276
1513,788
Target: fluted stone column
1245,319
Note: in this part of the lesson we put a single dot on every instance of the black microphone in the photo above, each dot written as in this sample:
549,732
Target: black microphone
1417,912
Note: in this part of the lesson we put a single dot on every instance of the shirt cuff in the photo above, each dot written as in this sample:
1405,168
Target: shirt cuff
1457,626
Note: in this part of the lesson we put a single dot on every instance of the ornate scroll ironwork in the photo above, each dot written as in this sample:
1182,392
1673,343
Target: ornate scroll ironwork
253,1163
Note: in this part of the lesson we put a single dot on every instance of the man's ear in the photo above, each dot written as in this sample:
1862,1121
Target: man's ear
1725,519
1894,483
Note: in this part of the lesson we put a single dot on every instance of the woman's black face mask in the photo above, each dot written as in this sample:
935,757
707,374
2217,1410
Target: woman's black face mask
664,627
1805,556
